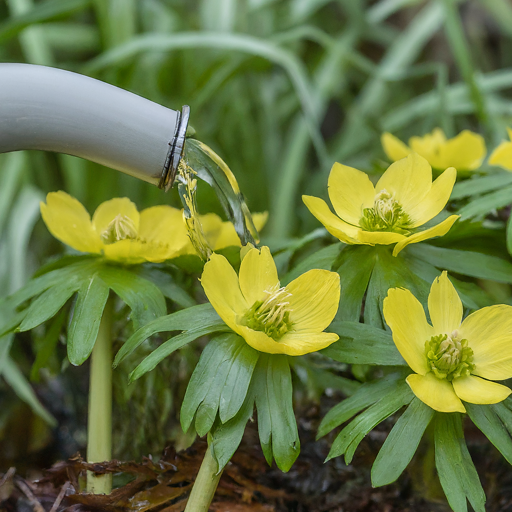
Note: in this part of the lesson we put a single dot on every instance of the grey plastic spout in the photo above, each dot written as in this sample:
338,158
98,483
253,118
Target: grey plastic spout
54,110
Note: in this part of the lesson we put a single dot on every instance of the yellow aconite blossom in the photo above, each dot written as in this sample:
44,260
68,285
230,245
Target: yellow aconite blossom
221,234
453,360
502,155
117,230
273,318
465,152
389,212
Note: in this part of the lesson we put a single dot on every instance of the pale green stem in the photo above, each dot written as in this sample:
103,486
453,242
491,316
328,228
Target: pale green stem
205,485
99,426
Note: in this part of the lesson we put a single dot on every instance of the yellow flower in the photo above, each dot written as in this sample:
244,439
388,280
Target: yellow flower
403,199
465,152
502,155
453,359
221,234
117,230
273,319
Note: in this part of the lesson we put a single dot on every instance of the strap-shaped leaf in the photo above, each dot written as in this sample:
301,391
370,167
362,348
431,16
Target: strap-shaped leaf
226,437
362,344
401,443
477,186
349,438
322,259
274,403
390,272
21,387
366,395
167,286
356,265
468,263
143,297
490,423
171,345
82,333
486,203
455,468
207,381
48,304
238,379
200,316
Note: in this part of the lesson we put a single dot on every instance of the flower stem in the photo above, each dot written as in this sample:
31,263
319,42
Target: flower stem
205,485
99,426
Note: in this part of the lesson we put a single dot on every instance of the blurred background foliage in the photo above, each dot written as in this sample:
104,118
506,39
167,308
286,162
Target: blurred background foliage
280,89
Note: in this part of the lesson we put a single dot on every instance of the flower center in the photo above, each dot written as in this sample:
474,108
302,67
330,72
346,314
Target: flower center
386,215
272,315
120,228
449,356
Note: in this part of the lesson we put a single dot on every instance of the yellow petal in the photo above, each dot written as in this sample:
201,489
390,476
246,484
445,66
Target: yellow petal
465,152
394,148
405,316
315,297
107,212
436,393
444,305
435,200
292,344
502,155
439,230
163,226
479,391
220,283
380,237
409,180
128,251
258,274
429,147
227,235
350,192
344,232
489,335
68,221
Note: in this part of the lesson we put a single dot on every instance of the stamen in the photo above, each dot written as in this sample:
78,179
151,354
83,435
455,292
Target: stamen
272,315
386,215
120,228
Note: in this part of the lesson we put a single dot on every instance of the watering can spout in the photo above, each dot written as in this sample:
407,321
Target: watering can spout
54,110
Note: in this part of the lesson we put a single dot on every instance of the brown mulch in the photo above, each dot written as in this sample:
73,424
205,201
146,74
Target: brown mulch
248,484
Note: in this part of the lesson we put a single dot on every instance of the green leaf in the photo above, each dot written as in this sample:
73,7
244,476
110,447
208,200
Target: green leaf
43,11
504,412
401,443
238,380
82,333
173,344
47,345
356,264
48,304
143,297
75,272
276,420
480,185
509,235
468,263
167,286
321,259
455,468
491,424
349,438
484,204
207,382
366,395
21,387
226,437
362,344
200,316
390,272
